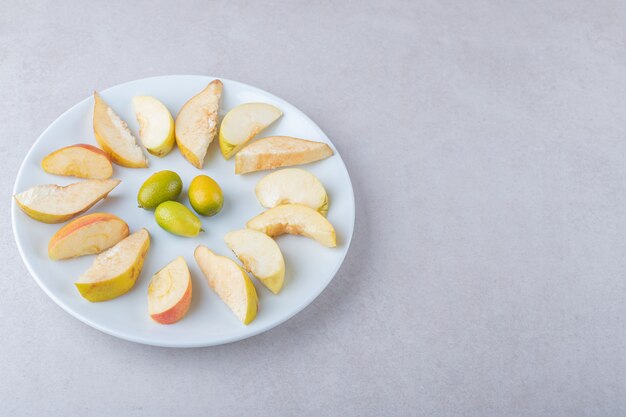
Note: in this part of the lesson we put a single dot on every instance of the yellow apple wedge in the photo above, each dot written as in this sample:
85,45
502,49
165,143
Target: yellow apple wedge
115,271
156,125
113,135
279,151
55,204
169,292
260,255
230,283
295,219
196,123
292,185
82,161
243,123
87,235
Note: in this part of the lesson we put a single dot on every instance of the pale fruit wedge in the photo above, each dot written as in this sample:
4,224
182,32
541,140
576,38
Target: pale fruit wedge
295,219
82,161
196,123
279,151
114,137
115,271
292,185
55,204
230,283
169,292
260,255
243,123
156,125
87,235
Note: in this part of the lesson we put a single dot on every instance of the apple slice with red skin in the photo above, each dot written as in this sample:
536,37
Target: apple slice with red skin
82,161
169,292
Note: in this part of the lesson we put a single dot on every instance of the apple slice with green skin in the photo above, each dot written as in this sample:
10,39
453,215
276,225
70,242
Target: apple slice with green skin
295,219
243,123
292,185
115,271
156,125
260,255
196,123
279,151
87,235
82,161
169,292
113,135
230,283
55,204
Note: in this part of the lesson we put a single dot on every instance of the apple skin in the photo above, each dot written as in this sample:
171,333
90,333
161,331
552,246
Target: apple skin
177,311
48,163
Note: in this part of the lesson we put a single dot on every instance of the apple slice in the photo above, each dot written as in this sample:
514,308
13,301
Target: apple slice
82,161
169,292
260,255
115,271
114,137
230,283
55,204
196,123
156,125
87,235
292,185
279,151
243,123
295,219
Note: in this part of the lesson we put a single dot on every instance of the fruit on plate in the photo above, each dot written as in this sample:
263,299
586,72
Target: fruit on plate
114,137
82,161
279,151
260,255
295,219
156,125
55,204
230,282
177,219
243,123
159,187
115,271
205,195
196,123
292,185
87,235
169,292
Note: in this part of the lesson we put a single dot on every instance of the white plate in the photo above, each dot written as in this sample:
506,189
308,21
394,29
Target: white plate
310,266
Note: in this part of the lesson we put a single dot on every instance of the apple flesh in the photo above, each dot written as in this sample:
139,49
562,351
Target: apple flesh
55,204
279,151
230,283
295,219
113,135
156,125
260,255
82,161
243,123
115,271
292,185
169,292
87,235
196,123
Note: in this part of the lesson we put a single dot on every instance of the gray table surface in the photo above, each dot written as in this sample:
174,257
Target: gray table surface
486,145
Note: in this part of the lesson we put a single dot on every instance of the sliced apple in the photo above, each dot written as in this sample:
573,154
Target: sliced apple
243,123
156,125
87,235
196,123
82,161
295,219
169,292
114,137
230,283
279,151
115,271
55,204
292,185
260,255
